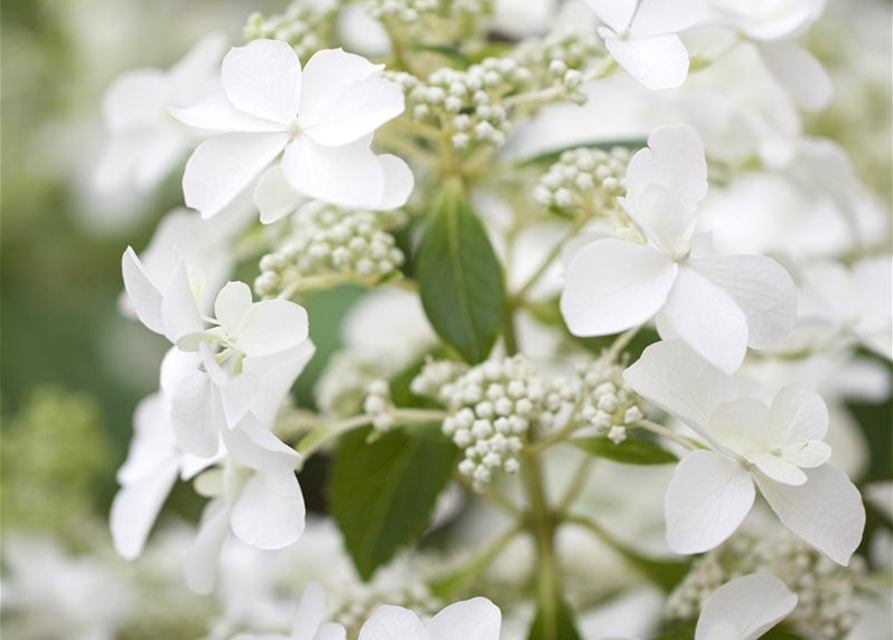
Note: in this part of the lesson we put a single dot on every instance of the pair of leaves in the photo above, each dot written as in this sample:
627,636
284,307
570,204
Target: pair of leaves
630,451
383,493
460,278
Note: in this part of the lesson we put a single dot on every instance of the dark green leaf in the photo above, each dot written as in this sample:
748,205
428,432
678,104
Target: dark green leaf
630,451
454,55
460,278
548,157
382,494
554,620
634,349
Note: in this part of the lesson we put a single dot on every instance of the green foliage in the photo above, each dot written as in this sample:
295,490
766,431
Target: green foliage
383,493
55,456
554,619
630,451
460,278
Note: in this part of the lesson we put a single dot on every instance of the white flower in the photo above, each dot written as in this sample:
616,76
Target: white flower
146,142
477,618
642,36
744,609
778,447
245,362
771,24
718,305
857,301
307,624
321,120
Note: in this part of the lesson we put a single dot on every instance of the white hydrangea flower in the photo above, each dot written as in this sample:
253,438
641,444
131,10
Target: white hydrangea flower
320,120
643,37
146,142
779,447
718,305
744,609
857,301
477,618
772,24
307,623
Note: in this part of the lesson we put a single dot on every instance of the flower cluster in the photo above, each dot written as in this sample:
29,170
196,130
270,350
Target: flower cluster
304,26
492,409
326,240
606,402
561,59
826,607
411,11
354,604
584,181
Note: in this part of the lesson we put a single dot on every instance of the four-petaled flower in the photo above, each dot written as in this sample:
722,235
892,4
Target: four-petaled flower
320,120
776,445
718,305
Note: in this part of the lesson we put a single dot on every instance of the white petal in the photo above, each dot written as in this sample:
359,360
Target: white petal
349,176
263,79
142,292
656,17
161,153
237,395
256,447
745,608
331,631
657,62
152,445
779,469
826,512
269,512
663,218
617,14
672,376
233,306
393,623
201,562
136,506
217,113
614,285
398,182
741,425
674,159
272,326
707,319
345,98
708,498
198,69
762,289
196,415
798,414
179,308
135,99
475,619
799,72
310,611
277,374
220,168
808,455
274,196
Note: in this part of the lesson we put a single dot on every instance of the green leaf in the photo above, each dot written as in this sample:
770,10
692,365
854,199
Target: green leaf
382,494
634,349
554,620
630,451
666,574
460,278
548,157
450,53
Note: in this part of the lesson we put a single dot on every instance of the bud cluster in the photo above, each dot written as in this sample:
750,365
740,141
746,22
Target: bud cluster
305,26
560,59
343,386
826,607
355,602
493,407
410,12
606,403
328,240
378,405
584,181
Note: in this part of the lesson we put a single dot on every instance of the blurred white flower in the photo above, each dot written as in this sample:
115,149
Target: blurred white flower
778,447
146,142
321,120
477,618
718,305
744,609
307,624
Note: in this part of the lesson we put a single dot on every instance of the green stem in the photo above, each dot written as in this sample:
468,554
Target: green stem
463,578
549,259
542,523
664,432
576,485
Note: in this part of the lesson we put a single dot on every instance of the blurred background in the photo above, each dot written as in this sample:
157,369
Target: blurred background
72,368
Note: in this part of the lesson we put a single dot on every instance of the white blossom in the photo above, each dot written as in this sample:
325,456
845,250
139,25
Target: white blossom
307,623
477,618
320,120
718,305
146,142
777,446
